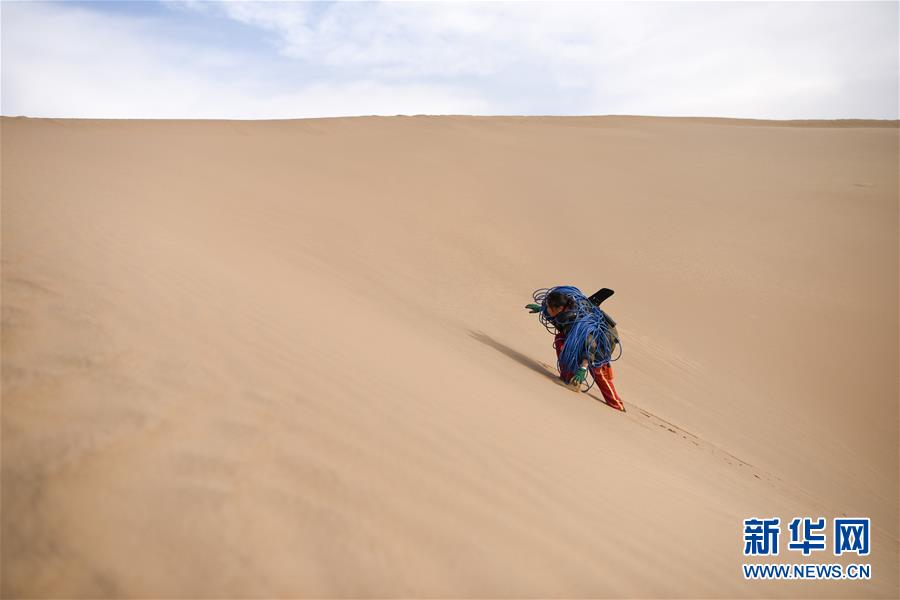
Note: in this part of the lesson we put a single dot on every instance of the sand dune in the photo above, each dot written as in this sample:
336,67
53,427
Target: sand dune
290,358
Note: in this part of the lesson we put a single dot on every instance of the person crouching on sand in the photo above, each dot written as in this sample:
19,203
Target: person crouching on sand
584,337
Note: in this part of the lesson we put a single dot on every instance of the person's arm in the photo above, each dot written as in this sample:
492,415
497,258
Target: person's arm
581,373
533,308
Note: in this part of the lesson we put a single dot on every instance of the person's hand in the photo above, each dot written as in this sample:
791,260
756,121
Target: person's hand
579,377
533,308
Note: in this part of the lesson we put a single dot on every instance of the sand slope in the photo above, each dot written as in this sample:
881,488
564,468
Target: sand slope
286,358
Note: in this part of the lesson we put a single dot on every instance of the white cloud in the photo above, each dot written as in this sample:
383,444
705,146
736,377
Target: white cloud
783,60
67,62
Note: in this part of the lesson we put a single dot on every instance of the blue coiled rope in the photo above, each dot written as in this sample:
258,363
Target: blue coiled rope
589,336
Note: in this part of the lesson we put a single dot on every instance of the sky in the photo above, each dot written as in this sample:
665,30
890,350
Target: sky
278,60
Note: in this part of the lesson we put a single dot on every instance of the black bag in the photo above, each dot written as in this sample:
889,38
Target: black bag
596,299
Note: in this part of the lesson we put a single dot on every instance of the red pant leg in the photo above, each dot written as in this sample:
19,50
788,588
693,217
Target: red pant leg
603,376
558,342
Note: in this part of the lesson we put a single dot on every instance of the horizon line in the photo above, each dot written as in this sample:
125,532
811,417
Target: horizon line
847,121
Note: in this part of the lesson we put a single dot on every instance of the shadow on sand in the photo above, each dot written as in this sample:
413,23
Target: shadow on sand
516,356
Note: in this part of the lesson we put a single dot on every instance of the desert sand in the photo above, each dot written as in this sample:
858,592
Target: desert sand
291,358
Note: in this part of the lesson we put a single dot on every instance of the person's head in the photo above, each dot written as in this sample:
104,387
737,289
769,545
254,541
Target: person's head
557,302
